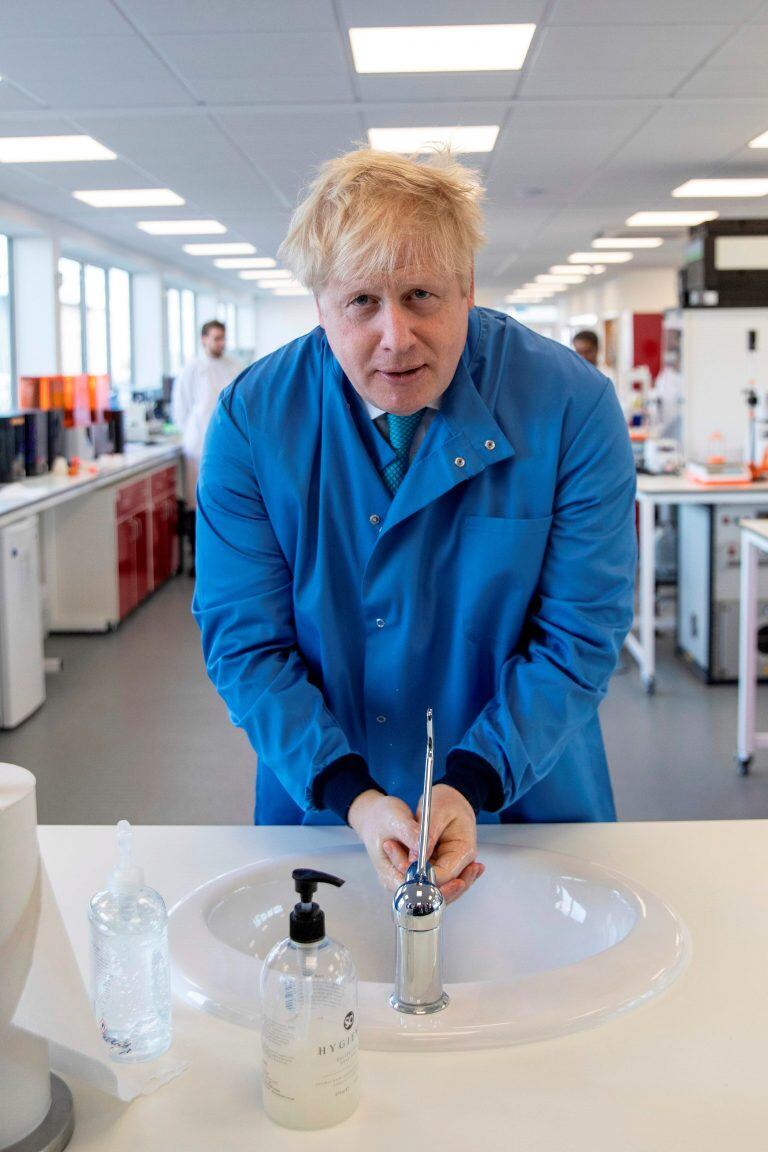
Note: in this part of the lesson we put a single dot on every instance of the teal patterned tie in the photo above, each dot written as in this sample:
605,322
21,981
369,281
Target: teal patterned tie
402,430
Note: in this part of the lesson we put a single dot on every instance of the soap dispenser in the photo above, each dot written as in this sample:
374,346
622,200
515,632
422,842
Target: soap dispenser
309,1019
131,982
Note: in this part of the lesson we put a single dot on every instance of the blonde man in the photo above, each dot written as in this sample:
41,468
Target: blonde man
418,504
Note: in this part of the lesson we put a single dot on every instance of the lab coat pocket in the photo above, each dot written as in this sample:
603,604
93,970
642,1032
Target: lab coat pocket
501,562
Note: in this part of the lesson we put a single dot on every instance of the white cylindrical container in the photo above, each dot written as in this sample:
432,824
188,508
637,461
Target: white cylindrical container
309,1029
25,1082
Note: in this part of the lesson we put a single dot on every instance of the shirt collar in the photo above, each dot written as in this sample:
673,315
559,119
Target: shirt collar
375,412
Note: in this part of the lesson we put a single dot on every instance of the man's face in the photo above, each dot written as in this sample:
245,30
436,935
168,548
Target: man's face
397,340
586,349
215,342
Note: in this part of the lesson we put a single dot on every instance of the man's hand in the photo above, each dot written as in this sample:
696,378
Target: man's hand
389,831
452,846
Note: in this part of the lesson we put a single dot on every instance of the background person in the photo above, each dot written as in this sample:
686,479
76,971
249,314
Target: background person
193,400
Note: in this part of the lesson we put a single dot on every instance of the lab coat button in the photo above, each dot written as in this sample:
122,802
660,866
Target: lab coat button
374,519
459,461
490,445
379,623
381,719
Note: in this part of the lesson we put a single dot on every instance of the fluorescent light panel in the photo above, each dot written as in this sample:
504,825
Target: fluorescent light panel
628,242
181,227
760,141
550,278
480,138
741,187
571,269
235,249
129,198
668,220
267,274
441,48
246,262
606,257
51,149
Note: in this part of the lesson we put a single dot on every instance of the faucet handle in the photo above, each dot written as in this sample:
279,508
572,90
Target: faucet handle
426,799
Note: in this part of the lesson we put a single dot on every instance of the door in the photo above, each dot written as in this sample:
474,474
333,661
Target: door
126,566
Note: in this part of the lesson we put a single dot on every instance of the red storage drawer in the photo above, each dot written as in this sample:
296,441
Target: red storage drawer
132,497
163,484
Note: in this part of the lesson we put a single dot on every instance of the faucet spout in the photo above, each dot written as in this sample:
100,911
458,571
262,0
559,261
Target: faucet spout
418,914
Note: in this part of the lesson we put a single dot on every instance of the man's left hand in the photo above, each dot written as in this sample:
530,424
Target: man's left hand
452,847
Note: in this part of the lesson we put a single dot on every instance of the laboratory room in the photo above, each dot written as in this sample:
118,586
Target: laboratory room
383,575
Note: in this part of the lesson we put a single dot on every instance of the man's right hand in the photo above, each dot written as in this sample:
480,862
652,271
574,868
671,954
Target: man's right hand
381,820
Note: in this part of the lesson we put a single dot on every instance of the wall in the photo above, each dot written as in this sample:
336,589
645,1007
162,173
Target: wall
280,319
646,290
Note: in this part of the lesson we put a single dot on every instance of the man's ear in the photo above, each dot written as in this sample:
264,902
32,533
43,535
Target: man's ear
471,293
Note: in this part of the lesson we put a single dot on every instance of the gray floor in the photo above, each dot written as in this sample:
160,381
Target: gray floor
132,728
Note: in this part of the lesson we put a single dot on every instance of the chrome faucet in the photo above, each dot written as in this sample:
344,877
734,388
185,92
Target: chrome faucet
418,913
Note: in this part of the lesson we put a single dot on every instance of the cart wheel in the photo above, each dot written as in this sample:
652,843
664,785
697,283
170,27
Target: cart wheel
744,763
649,684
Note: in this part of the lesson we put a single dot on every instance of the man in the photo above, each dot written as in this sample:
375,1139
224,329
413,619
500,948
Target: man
587,345
195,393
478,559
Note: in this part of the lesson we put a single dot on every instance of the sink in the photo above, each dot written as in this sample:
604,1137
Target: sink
544,944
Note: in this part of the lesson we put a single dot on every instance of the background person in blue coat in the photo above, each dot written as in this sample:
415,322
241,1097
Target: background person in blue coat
418,504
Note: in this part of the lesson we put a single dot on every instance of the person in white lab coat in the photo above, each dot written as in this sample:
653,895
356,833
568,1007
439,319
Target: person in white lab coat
195,393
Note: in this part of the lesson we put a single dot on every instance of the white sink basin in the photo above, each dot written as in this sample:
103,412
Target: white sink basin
542,945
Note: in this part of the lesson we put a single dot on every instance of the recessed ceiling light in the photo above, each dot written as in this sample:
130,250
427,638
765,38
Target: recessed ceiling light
235,249
267,274
607,257
549,278
130,198
51,149
181,227
571,269
480,138
668,220
246,262
292,292
742,187
598,269
628,242
441,48
760,141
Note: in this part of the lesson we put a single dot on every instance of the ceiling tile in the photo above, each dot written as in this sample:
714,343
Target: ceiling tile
621,46
747,48
41,18
602,82
363,14
11,98
195,16
103,71
461,87
271,66
681,12
710,81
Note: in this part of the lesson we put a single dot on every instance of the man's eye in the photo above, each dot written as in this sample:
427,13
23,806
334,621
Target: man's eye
362,300
421,294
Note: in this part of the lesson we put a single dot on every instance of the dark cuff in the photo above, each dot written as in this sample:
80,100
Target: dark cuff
342,782
475,779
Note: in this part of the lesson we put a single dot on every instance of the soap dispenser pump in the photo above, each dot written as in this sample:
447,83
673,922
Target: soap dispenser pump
309,1032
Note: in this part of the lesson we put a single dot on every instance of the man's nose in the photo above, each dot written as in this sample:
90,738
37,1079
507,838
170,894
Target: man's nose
396,333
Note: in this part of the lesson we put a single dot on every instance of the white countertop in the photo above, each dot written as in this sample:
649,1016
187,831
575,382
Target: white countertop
684,486
757,528
37,493
685,1073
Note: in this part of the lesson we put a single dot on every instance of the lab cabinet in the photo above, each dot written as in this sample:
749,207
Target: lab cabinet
107,551
22,675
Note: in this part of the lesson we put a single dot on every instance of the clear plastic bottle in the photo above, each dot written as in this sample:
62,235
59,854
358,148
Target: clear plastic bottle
309,1030
131,986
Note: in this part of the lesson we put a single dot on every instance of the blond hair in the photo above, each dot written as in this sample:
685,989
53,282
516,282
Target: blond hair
368,212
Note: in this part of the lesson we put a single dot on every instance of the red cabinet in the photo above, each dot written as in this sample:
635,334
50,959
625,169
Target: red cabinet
134,544
165,544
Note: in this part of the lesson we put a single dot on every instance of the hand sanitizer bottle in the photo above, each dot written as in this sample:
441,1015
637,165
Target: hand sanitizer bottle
309,1019
129,961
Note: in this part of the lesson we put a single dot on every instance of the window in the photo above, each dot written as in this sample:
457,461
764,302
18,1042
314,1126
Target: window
120,357
95,321
181,331
70,316
6,391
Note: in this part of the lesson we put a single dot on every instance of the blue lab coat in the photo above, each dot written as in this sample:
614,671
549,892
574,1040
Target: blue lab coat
496,586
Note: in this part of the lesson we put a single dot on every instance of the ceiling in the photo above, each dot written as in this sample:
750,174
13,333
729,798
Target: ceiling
232,103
